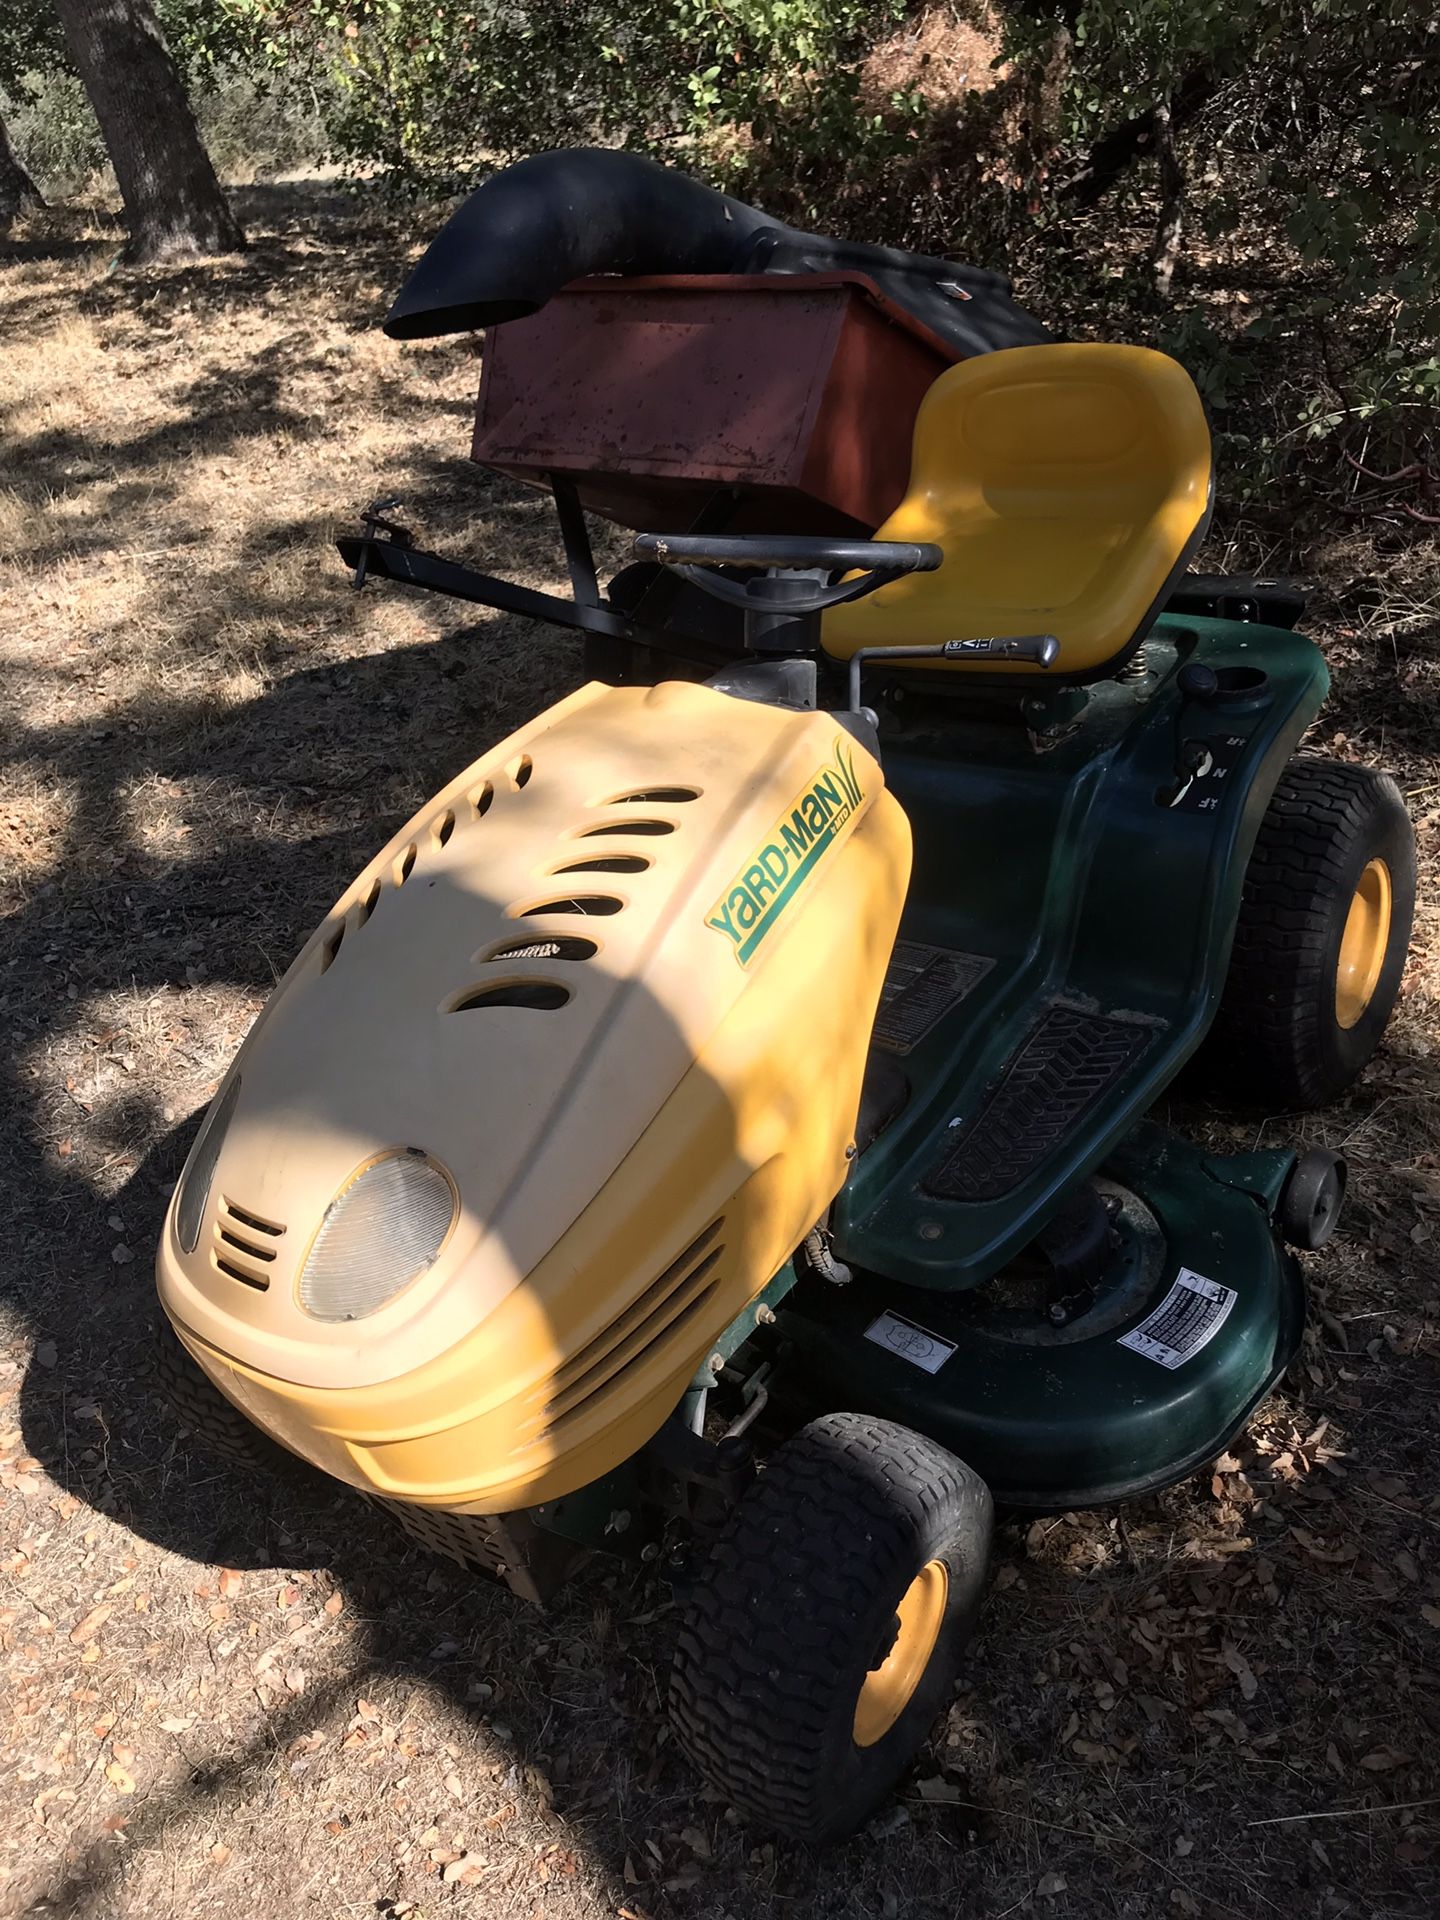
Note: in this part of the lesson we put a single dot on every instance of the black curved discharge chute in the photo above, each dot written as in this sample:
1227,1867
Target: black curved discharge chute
557,217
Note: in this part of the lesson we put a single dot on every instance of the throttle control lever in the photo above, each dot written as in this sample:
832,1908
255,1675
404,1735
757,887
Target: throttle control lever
1041,649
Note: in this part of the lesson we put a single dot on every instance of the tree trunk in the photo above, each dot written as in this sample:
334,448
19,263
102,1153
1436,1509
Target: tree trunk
1170,227
173,202
18,192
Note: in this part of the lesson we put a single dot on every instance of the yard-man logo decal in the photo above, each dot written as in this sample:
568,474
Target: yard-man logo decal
770,879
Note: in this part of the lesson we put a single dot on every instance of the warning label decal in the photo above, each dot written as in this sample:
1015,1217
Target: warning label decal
1187,1319
921,985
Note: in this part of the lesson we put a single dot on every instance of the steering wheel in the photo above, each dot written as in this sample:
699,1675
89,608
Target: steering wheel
793,567
782,606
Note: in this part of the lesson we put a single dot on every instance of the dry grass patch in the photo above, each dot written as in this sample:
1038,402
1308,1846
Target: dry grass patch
219,1695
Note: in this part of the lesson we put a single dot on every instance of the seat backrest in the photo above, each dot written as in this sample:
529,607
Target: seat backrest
1068,485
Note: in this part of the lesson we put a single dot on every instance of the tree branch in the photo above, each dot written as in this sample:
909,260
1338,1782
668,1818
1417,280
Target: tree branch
1115,152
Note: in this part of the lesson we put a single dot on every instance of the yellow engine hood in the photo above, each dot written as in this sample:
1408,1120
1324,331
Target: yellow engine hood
738,871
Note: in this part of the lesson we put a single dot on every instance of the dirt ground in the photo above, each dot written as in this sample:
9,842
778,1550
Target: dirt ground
218,1695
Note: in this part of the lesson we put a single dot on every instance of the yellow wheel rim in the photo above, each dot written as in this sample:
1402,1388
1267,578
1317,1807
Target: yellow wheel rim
889,1688
1363,944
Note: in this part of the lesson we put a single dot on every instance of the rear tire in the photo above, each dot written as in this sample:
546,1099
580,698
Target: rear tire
828,1624
1321,938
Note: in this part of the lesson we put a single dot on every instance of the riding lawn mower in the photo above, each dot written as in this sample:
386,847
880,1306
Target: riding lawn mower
721,1110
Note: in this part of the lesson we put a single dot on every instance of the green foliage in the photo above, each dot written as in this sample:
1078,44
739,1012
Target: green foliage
31,45
254,111
1306,144
53,129
436,93
1309,145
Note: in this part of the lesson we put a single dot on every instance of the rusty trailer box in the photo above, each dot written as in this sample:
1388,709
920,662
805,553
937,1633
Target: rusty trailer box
791,397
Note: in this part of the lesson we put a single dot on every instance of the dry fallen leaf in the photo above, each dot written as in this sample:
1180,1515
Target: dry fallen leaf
87,1628
452,1784
231,1581
122,1781
1240,1667
936,1789
219,1853
1051,1884
1384,1760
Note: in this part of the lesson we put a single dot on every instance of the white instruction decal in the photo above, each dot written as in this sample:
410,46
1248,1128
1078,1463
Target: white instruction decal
1187,1319
912,1343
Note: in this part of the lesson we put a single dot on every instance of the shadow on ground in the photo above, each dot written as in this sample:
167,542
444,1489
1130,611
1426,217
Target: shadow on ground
1106,1748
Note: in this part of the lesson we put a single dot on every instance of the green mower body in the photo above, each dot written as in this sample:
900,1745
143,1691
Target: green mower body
1062,954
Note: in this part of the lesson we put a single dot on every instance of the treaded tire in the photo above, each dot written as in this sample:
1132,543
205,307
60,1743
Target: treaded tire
1276,1040
798,1596
219,1428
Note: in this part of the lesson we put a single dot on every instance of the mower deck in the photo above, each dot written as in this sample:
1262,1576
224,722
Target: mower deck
1198,1315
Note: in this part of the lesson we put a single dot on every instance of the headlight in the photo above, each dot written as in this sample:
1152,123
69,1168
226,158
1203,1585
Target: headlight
380,1232
200,1168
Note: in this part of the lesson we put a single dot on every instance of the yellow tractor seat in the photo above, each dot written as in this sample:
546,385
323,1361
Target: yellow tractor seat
1068,486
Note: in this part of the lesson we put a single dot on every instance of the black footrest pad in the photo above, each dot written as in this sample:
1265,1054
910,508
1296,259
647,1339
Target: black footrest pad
1058,1075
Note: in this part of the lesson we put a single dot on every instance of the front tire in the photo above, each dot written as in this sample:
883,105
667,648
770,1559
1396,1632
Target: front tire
207,1417
828,1625
1321,938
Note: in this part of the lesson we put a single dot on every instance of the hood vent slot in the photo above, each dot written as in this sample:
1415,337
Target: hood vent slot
256,1253
560,946
545,996
592,903
655,797
259,1281
240,1218
611,863
666,1307
244,1244
628,826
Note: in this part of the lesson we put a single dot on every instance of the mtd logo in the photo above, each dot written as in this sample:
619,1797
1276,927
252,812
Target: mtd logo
814,821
